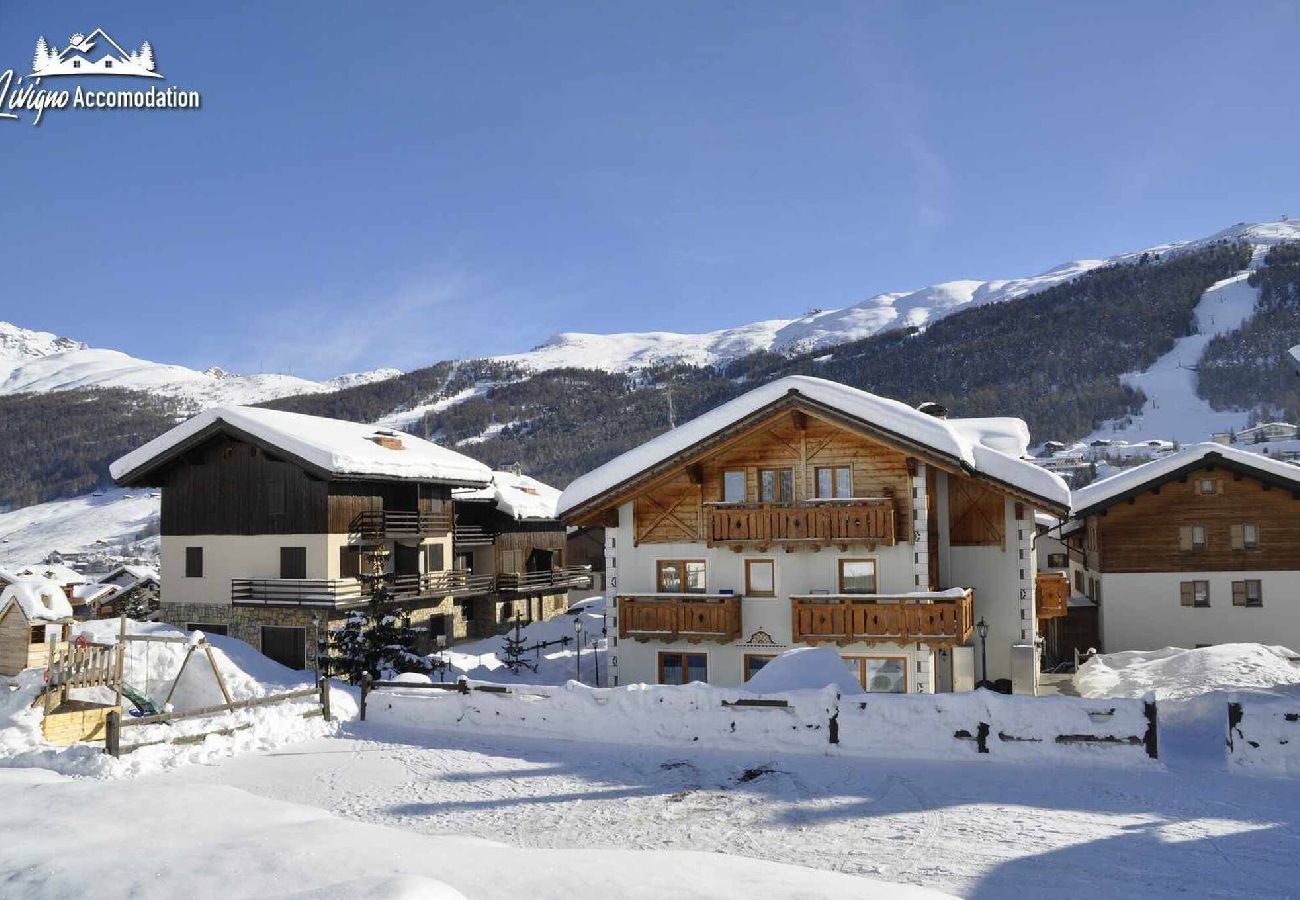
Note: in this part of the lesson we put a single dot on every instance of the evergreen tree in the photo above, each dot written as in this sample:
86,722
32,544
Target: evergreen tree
382,644
145,56
41,55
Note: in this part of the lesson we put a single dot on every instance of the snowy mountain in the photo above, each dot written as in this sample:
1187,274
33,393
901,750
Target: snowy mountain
826,328
41,362
111,521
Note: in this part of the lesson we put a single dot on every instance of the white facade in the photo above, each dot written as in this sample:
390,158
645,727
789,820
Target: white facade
1143,611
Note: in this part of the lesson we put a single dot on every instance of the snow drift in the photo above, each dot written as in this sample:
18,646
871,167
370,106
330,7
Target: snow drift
1177,674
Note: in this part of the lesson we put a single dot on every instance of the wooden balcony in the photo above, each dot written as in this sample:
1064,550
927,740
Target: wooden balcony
680,617
473,536
329,593
428,585
861,521
1052,594
544,582
392,524
940,620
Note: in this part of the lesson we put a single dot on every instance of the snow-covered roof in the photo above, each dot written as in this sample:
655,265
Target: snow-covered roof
89,593
337,447
38,598
991,447
127,575
1101,492
56,572
517,496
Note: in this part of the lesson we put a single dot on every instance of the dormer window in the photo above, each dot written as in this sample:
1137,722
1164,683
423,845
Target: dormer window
1207,486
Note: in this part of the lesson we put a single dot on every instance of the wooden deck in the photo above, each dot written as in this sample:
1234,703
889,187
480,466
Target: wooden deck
686,617
871,521
938,620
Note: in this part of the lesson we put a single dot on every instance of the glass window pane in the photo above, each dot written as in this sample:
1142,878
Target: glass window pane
767,485
858,576
824,487
670,577
762,576
787,485
1251,535
733,486
672,668
886,676
844,482
754,663
695,577
697,667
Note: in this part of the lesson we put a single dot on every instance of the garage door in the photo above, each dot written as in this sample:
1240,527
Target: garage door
287,646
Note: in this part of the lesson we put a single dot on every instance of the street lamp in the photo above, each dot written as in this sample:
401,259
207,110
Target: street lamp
577,640
982,629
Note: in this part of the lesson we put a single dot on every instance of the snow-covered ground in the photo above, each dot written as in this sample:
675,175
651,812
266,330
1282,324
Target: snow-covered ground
483,660
116,517
1178,674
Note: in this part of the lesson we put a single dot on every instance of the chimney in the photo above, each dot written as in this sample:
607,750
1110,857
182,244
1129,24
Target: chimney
387,439
930,408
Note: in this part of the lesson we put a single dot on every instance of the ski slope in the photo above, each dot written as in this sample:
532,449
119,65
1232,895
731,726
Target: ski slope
107,521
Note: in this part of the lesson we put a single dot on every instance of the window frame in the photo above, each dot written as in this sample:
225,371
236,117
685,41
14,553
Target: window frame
1202,481
685,669
861,665
289,559
683,563
875,566
778,481
1188,589
1242,588
1058,560
193,562
1244,536
744,485
834,471
749,589
748,658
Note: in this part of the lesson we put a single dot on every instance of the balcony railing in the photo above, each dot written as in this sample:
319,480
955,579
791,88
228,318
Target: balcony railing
872,521
380,524
473,536
452,583
940,619
338,593
543,582
685,617
1052,594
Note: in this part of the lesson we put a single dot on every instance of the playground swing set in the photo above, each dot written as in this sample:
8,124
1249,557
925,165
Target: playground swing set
80,663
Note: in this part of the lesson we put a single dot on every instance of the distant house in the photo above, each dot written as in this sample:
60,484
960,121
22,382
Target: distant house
275,525
510,544
34,615
1259,434
1198,547
127,582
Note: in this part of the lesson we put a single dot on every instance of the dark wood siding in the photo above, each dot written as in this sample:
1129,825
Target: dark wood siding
230,487
349,499
1143,536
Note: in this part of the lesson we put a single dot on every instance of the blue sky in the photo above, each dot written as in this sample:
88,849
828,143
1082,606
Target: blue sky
397,183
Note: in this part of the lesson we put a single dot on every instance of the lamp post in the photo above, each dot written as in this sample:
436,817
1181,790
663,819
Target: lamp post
577,636
982,629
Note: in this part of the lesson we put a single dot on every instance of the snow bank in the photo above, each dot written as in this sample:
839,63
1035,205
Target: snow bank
214,841
484,660
804,668
1177,674
151,668
1264,735
338,447
38,598
820,721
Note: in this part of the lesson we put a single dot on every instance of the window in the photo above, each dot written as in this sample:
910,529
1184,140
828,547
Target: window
857,576
879,674
681,576
1206,486
733,486
193,562
1191,537
1247,593
433,561
760,578
108,64
1245,536
207,627
1194,593
466,607
76,64
754,662
683,668
1078,582
350,561
1058,560
776,485
293,562
834,482
287,646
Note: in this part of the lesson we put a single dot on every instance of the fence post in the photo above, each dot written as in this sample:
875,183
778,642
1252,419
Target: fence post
113,734
365,689
1152,735
982,737
325,699
462,685
1234,719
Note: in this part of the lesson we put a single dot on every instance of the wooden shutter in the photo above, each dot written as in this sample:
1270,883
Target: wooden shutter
1238,537
1185,537
435,562
1239,593
349,561
1187,593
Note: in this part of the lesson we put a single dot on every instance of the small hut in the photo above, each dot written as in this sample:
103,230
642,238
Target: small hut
35,619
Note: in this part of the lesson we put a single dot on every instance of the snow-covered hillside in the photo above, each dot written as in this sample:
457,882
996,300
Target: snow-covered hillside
40,361
105,521
825,328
